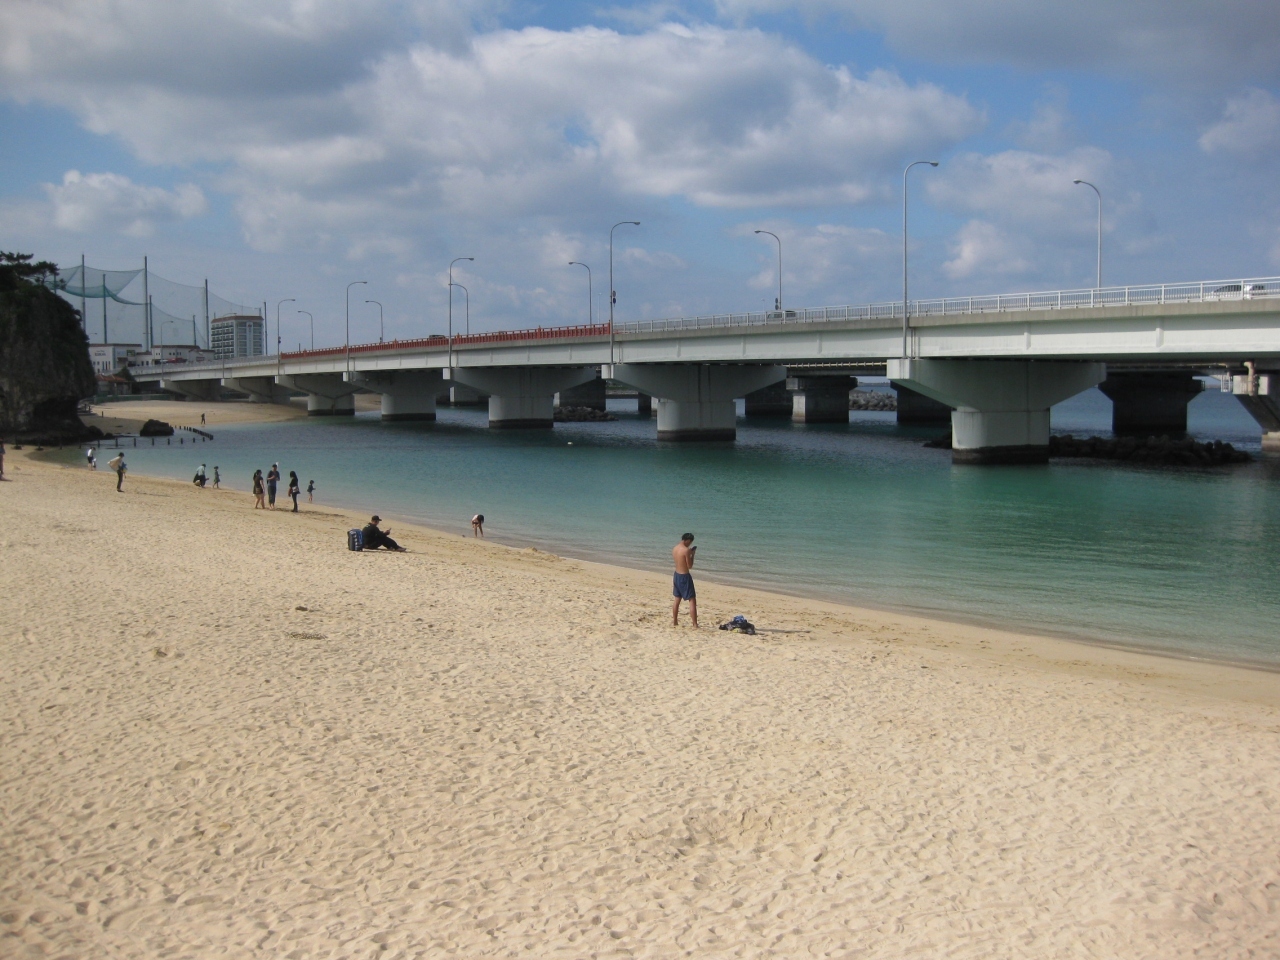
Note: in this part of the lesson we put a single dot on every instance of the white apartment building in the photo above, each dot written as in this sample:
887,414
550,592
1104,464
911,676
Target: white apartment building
107,358
238,336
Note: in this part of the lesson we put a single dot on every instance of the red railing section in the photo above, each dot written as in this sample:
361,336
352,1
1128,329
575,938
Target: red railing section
459,340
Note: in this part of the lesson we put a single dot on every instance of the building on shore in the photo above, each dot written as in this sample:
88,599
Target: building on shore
108,358
237,336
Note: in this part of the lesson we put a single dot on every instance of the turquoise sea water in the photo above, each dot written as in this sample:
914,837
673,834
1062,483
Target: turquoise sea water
1182,560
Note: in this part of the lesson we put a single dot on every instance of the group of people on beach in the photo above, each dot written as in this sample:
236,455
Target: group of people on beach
265,487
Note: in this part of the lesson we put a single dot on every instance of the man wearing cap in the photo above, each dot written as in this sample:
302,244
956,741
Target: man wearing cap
375,538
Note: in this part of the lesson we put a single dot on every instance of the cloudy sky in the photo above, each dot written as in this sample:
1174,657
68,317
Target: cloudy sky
282,148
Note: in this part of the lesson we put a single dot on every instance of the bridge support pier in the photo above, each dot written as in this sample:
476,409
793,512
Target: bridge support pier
1262,399
590,395
259,389
914,407
771,401
696,401
521,397
207,390
328,394
406,394
1150,404
820,398
1002,406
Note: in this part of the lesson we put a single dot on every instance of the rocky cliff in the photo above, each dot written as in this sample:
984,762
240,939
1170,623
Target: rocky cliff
44,356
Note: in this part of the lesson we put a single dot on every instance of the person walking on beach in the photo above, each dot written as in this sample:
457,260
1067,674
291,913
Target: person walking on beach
294,489
258,491
201,478
375,538
117,464
682,584
477,526
273,478
202,419
89,461
311,489
217,478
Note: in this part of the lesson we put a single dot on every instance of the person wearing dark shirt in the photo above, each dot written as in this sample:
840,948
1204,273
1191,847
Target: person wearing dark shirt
375,538
273,478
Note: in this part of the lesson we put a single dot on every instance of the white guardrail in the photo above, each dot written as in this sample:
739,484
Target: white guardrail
1196,291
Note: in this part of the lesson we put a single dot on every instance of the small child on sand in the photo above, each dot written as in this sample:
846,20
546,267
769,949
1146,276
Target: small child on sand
311,489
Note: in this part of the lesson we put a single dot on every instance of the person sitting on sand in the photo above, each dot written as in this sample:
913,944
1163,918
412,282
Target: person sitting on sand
375,538
477,525
682,584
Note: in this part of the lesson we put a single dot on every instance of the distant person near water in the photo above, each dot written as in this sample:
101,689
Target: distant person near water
117,464
90,461
273,478
682,584
202,419
375,538
311,489
201,478
477,525
259,491
217,478
294,489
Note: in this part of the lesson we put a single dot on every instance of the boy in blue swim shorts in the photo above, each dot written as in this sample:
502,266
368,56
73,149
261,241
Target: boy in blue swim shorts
682,584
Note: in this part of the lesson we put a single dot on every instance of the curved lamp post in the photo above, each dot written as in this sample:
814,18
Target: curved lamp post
1099,193
613,294
779,239
906,323
468,301
590,312
379,319
313,328
349,286
451,263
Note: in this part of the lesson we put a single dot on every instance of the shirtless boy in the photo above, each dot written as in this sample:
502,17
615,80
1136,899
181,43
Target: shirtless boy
682,584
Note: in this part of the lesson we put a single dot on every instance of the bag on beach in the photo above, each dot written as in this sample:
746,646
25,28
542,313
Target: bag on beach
740,624
355,540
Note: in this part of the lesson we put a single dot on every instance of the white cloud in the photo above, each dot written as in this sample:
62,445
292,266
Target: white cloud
112,203
1021,185
982,247
820,264
1250,126
1180,40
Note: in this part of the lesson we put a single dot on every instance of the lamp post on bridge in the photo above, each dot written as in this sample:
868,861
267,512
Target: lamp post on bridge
468,293
349,286
379,319
279,304
313,328
906,321
613,294
778,306
451,263
1099,193
590,311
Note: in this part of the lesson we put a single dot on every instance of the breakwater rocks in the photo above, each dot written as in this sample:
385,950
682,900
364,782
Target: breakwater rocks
155,428
1158,451
872,400
581,415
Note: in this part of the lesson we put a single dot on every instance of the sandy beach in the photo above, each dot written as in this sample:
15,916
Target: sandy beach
224,735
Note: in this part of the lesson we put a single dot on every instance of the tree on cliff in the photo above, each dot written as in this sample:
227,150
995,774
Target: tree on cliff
44,354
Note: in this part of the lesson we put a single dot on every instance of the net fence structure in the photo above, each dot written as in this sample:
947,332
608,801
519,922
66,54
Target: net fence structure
179,313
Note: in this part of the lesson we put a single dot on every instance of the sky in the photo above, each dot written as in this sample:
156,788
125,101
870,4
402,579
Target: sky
285,148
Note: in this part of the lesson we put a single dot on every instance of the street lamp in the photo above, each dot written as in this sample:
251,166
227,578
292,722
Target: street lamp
349,286
1099,193
613,294
278,305
313,328
905,303
778,307
379,319
451,263
468,293
590,314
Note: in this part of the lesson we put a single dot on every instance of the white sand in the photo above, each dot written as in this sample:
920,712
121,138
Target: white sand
476,751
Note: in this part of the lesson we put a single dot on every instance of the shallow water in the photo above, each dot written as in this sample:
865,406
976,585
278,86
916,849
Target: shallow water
1181,560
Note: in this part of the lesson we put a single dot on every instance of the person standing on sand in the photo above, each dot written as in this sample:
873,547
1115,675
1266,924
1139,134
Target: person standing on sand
258,491
1,459
273,478
682,584
477,526
217,477
294,489
201,477
202,419
311,489
118,465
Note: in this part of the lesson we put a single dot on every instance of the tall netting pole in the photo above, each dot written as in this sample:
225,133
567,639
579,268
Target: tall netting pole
146,300
84,320
208,337
105,338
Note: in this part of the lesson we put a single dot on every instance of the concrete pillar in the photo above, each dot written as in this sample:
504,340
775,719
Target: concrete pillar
1002,406
328,394
820,398
521,397
590,395
1150,404
771,401
915,407
1260,395
696,401
207,390
259,389
406,394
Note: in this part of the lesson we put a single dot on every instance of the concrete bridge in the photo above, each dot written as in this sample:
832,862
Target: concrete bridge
994,365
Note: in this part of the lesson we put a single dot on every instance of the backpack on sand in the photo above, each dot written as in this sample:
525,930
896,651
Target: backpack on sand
355,540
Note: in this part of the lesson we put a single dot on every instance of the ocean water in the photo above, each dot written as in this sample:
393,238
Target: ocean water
1179,560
